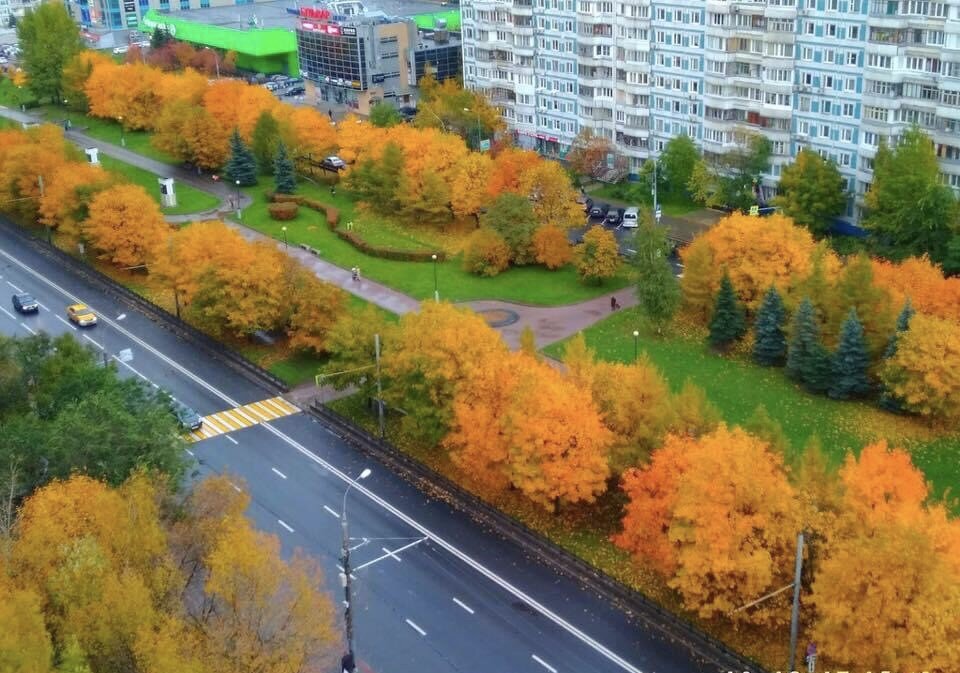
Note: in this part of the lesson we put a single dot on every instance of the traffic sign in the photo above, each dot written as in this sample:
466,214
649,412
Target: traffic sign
755,211
658,213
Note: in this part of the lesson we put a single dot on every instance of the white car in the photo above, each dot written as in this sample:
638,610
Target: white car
334,163
630,217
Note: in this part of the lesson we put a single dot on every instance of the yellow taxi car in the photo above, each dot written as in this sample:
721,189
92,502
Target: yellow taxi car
81,315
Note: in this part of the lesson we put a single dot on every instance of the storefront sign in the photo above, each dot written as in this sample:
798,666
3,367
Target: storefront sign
315,13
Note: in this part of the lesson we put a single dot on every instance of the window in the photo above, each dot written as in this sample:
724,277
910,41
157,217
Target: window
879,61
848,109
831,30
806,54
852,58
846,135
853,32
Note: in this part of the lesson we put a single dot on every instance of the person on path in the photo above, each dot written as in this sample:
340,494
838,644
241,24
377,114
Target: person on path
354,272
358,275
811,657
613,303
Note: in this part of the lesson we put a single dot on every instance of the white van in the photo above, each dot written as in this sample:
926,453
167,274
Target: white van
630,216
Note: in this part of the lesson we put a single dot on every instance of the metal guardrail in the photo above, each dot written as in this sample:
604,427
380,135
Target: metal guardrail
635,604
172,323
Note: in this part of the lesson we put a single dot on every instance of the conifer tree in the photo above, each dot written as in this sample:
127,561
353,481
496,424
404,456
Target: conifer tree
241,165
851,361
808,362
728,323
888,400
283,172
770,344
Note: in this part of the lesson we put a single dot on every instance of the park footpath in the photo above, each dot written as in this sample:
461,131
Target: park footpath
549,324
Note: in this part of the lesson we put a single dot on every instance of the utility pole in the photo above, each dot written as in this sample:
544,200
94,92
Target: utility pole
348,661
49,228
656,205
795,615
376,345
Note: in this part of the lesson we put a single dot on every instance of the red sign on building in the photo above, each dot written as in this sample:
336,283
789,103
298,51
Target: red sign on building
315,13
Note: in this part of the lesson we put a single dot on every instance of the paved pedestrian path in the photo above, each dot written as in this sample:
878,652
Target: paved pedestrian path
549,324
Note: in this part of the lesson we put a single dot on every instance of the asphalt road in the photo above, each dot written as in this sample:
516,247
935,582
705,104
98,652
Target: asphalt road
433,591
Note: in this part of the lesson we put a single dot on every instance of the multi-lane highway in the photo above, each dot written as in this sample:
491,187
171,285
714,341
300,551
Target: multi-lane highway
433,591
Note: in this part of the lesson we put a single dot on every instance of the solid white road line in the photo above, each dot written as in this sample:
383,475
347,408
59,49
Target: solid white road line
66,322
43,307
391,554
463,605
417,628
543,663
451,549
190,452
231,439
14,286
333,512
87,337
279,521
28,328
278,473
12,317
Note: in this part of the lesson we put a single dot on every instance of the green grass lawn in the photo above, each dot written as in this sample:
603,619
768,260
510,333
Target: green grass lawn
637,193
528,285
738,387
107,130
189,199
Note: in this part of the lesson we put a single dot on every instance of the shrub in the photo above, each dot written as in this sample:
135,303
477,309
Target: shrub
333,216
486,253
283,210
551,247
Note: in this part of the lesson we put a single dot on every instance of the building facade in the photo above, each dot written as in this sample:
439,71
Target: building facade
836,76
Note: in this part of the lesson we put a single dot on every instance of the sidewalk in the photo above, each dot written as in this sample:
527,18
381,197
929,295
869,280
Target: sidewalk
549,324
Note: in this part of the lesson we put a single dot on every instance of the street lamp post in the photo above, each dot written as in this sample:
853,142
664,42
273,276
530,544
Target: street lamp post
436,287
479,132
123,136
216,59
348,662
284,230
636,345
239,215
442,124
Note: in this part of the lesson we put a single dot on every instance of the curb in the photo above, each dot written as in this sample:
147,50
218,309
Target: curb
182,329
637,606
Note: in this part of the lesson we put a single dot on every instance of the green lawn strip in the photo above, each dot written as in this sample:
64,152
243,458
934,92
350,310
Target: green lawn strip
189,199
107,130
737,387
526,285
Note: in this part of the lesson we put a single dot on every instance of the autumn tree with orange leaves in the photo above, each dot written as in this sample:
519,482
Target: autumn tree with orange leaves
723,506
125,226
521,423
887,588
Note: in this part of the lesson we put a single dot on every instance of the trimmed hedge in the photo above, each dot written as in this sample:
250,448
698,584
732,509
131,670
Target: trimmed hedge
333,221
283,210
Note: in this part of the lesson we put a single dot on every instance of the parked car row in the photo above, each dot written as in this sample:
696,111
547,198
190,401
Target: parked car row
611,216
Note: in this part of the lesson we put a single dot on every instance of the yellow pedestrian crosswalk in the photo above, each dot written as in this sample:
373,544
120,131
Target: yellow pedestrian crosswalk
238,418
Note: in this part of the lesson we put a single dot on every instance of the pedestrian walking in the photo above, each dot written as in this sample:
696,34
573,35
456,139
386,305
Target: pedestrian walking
811,657
330,112
613,303
358,274
354,273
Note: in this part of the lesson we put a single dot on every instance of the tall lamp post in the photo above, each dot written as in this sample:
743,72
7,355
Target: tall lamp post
436,287
216,59
123,135
284,230
239,215
636,345
348,661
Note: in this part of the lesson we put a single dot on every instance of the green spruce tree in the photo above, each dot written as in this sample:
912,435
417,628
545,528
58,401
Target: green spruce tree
241,165
770,344
284,176
728,322
888,400
851,361
808,362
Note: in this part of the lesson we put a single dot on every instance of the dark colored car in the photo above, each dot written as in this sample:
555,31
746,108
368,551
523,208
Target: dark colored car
298,90
599,211
408,113
614,217
24,303
186,417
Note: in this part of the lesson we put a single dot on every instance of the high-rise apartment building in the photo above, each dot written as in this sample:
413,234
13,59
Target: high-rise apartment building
835,76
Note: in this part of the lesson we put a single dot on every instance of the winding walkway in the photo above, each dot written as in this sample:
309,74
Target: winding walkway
549,324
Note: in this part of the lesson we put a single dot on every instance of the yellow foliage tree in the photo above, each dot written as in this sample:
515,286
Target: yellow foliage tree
67,194
234,104
431,354
315,308
25,645
925,371
125,225
918,279
468,191
551,247
554,199
598,257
